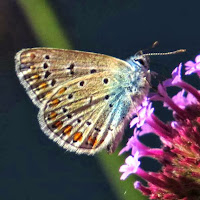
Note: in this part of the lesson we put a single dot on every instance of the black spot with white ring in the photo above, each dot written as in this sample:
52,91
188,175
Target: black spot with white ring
53,82
105,80
47,57
45,65
107,97
70,96
71,68
69,116
92,71
82,83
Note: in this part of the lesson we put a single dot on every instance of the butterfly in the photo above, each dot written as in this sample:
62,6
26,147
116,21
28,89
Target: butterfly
84,99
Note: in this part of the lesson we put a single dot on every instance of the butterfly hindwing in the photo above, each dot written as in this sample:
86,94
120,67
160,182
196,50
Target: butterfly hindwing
84,116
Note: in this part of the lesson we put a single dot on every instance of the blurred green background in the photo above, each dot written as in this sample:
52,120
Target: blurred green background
33,167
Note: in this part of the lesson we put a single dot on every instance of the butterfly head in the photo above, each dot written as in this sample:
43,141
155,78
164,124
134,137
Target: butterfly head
141,60
140,63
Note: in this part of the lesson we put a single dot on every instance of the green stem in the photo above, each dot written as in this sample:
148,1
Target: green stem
45,24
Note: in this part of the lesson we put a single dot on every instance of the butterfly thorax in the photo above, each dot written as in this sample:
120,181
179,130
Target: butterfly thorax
139,77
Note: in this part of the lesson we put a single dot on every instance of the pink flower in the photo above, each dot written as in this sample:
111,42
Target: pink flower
143,112
180,152
184,99
193,67
130,167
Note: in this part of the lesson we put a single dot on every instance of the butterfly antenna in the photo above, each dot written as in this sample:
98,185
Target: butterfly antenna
154,44
140,52
167,53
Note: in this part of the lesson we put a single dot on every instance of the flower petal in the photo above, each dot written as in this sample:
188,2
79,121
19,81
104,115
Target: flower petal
176,75
130,167
197,59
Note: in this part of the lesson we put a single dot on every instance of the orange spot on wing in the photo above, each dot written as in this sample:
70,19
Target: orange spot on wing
32,56
77,136
62,90
48,94
32,67
52,115
92,141
57,125
95,143
42,85
35,77
67,130
54,102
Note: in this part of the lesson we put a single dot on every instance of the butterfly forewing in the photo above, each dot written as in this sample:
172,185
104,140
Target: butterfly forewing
83,97
41,70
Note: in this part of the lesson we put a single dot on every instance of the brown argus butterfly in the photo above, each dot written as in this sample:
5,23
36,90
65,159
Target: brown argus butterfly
84,99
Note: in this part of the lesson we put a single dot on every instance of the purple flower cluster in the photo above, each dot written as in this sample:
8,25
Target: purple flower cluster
179,155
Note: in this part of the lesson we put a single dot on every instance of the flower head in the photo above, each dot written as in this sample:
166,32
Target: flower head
179,155
143,112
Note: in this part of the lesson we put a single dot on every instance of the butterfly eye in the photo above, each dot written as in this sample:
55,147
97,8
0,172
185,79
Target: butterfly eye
140,61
